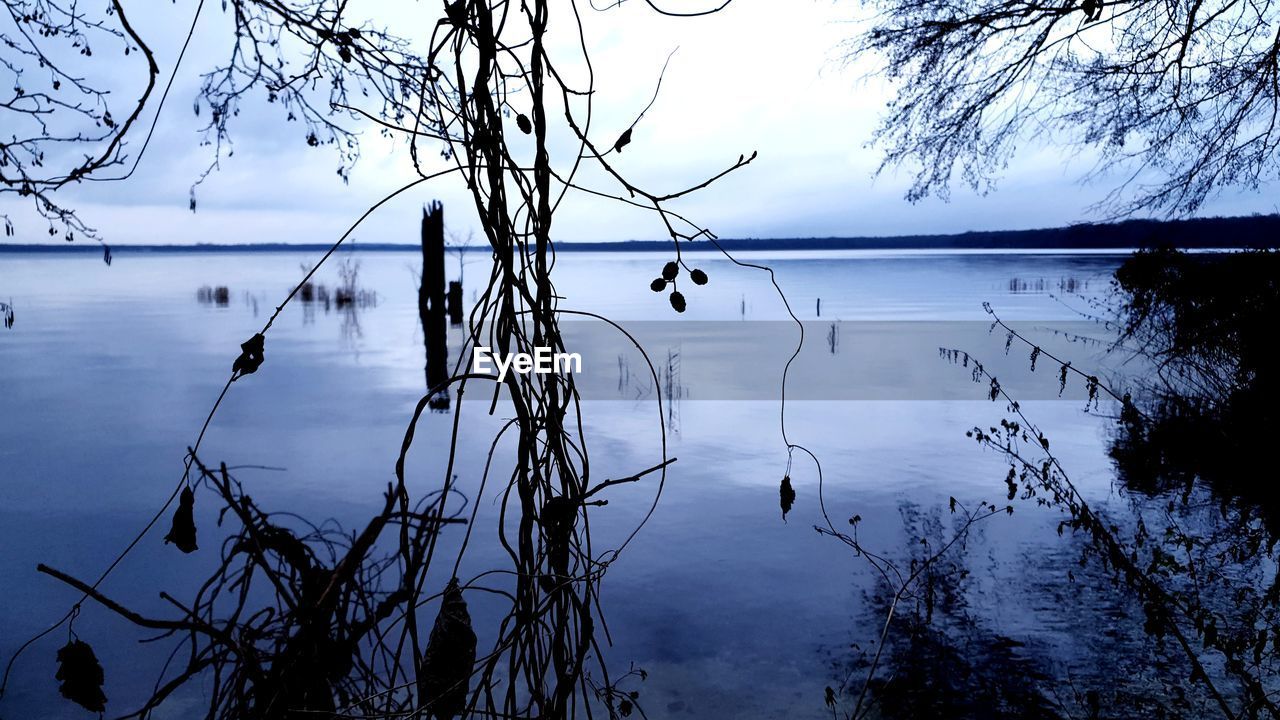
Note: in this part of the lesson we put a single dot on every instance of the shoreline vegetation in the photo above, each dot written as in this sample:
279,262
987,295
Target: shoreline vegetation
1256,231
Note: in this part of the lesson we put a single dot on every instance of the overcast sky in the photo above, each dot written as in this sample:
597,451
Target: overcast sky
755,77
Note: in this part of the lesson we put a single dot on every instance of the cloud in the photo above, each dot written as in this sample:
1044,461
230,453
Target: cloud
762,76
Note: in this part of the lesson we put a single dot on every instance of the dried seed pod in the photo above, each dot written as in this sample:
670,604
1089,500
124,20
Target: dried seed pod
658,285
522,122
670,270
448,659
252,353
786,496
81,676
698,277
623,140
183,531
677,301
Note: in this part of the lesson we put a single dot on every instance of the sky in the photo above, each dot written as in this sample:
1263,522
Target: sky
762,76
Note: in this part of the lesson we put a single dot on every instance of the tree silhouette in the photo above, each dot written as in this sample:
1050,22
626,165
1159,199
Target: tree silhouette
58,125
340,624
1180,99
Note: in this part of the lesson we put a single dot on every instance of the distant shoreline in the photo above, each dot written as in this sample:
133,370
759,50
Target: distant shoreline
1260,231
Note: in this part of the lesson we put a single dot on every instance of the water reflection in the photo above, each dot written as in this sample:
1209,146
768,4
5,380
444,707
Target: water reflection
720,603
1042,634
220,295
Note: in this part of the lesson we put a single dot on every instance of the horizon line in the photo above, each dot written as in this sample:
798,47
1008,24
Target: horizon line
1260,231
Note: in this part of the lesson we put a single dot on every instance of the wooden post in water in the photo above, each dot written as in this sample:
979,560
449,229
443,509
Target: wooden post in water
431,303
455,302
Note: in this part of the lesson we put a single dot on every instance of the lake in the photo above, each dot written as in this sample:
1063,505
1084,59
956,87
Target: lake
732,610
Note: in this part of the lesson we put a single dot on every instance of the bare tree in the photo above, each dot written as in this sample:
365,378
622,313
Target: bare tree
1180,98
460,244
58,126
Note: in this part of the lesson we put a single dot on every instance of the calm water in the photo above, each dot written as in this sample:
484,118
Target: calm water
108,373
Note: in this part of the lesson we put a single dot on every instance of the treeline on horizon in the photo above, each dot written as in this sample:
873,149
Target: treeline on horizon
1254,231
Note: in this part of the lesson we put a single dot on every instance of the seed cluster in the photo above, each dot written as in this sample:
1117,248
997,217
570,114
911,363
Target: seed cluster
669,273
